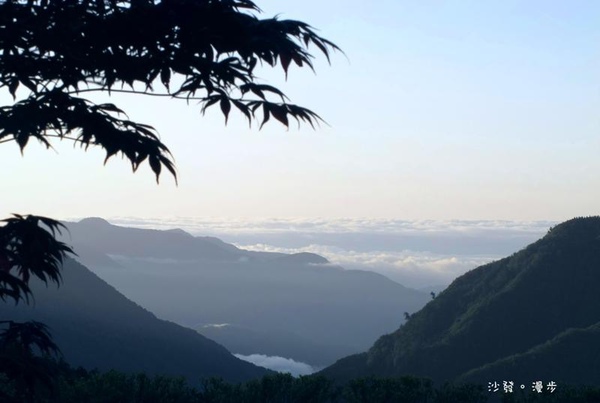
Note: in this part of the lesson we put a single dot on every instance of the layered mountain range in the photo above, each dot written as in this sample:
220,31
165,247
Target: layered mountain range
296,306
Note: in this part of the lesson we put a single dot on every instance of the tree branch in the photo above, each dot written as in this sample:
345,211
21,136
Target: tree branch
48,135
153,94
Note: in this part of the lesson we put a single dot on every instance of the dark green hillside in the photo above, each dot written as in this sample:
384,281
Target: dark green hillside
97,327
575,349
498,310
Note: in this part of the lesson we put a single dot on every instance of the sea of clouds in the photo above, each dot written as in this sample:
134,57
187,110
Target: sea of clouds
415,253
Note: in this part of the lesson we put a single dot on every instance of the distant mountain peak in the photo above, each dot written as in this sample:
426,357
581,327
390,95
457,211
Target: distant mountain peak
96,221
180,232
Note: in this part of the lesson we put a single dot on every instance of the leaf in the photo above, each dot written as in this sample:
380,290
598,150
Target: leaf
256,90
29,84
323,49
14,288
167,163
244,109
225,107
286,59
297,59
111,108
306,38
211,101
22,139
266,114
155,165
165,77
280,113
252,63
12,88
270,88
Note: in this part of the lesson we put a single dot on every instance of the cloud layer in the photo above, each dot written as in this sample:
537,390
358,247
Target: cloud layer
279,364
416,253
205,226
411,268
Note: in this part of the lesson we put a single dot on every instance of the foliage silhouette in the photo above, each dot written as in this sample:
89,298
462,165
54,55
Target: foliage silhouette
28,248
58,50
25,349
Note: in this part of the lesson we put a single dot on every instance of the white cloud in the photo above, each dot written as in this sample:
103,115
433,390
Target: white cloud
203,225
411,268
279,364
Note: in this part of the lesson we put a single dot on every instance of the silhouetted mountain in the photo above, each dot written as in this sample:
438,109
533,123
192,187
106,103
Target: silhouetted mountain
203,280
534,314
133,242
97,327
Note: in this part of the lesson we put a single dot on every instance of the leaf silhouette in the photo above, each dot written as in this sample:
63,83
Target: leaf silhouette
63,49
225,107
28,248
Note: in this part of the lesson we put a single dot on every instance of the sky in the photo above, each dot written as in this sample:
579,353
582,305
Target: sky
437,110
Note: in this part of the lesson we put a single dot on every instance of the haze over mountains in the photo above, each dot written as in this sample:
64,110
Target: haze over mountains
295,306
97,327
533,315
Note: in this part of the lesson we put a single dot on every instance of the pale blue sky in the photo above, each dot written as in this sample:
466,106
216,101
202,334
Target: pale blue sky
442,110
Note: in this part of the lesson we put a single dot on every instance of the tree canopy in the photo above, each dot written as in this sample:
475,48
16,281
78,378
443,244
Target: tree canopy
56,51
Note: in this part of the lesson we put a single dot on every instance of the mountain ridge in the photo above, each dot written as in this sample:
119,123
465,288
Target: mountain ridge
97,327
